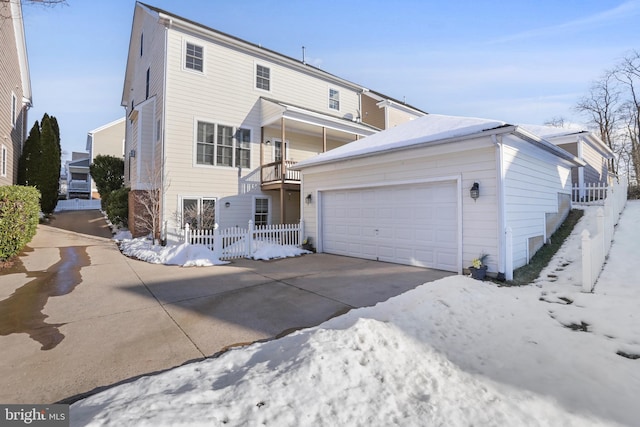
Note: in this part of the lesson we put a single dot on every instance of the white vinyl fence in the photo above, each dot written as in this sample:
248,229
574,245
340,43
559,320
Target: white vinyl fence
238,242
77,205
594,193
595,248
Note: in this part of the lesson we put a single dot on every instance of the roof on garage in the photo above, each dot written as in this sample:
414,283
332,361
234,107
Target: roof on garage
431,129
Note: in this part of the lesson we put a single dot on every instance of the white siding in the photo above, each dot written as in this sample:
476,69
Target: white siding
225,94
476,164
533,180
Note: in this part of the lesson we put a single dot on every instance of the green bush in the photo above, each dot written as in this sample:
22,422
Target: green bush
118,206
19,215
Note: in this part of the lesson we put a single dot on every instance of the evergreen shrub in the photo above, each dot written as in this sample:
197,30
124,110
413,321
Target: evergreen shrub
118,206
19,215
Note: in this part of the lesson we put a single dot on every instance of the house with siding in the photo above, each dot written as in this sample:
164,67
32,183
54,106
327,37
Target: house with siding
438,192
106,140
215,123
15,90
586,146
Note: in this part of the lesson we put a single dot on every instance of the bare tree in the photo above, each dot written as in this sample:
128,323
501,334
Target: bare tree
601,106
628,74
149,201
556,122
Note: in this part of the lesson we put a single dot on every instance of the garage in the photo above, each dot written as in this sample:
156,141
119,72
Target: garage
412,224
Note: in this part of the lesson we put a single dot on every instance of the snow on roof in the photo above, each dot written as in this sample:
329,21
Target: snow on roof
430,128
553,131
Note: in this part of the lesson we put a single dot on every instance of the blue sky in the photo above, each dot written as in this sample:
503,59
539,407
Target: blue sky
520,61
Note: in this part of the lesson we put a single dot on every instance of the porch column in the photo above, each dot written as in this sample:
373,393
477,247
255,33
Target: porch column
324,139
283,170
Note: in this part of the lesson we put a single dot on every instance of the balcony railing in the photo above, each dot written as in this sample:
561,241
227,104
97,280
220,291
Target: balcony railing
78,186
271,173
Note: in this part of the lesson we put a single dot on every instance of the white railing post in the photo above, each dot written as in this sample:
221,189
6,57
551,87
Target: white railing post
249,239
601,234
509,254
217,241
586,262
301,232
187,234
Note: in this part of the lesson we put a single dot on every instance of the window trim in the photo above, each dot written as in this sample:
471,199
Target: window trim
199,199
4,156
335,100
234,147
253,210
184,57
255,77
14,109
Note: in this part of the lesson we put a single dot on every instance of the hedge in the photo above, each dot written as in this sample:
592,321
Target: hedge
19,215
118,206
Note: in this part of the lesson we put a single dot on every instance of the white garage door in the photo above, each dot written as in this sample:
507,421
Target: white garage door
408,224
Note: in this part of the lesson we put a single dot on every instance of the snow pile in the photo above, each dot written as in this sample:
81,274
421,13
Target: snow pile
369,373
454,352
196,255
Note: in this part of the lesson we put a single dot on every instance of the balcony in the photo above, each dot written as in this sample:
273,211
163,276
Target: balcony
76,186
272,177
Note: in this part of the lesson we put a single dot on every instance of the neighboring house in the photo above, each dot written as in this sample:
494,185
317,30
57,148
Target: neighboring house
216,122
403,195
15,90
107,140
586,146
78,181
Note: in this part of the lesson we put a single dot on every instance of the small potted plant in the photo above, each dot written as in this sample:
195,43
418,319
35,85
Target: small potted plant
306,245
479,268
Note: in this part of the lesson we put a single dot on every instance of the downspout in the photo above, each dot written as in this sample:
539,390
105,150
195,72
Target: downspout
501,211
163,223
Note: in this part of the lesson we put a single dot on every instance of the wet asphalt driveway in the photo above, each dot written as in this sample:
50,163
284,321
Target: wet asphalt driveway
76,315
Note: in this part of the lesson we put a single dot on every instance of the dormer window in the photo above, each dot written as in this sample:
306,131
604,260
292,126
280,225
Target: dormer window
334,99
194,57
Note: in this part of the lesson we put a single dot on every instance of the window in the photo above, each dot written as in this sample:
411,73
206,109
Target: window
334,99
193,59
277,150
224,146
263,77
218,145
14,109
199,212
261,211
3,161
146,90
206,143
243,148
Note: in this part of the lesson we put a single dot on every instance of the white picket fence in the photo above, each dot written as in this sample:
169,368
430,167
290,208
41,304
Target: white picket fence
596,248
593,193
236,242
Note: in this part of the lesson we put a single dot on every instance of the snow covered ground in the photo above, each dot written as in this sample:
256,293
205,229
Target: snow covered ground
454,352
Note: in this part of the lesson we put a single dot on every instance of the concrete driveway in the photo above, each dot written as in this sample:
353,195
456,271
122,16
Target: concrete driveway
76,315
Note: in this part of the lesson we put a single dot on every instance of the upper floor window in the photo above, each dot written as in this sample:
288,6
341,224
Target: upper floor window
194,57
3,161
14,109
334,99
146,90
263,77
219,145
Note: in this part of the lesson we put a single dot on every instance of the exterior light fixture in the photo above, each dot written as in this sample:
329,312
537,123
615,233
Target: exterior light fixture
475,191
308,199
227,204
132,153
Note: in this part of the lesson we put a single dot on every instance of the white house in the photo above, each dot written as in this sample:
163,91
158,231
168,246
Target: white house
15,90
78,182
403,195
106,140
214,123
